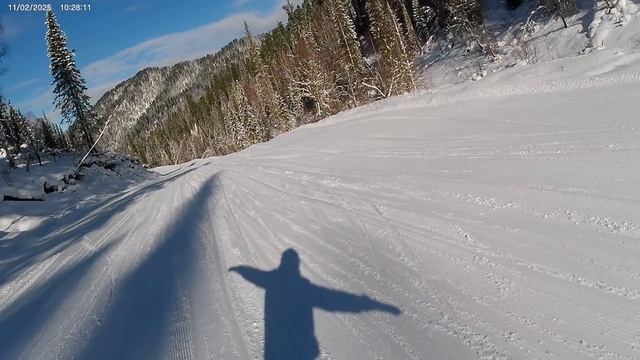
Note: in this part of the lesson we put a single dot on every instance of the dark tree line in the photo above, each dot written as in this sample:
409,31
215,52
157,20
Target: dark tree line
19,135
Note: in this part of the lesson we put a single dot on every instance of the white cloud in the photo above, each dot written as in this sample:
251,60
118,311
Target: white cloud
15,24
240,2
172,48
43,101
22,85
96,92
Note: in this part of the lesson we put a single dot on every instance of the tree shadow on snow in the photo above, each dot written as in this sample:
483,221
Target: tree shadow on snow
50,238
34,309
135,325
288,307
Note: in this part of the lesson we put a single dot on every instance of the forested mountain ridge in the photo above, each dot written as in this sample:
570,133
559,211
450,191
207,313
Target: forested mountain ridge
138,104
330,56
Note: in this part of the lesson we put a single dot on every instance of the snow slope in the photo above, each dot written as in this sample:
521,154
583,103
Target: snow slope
486,220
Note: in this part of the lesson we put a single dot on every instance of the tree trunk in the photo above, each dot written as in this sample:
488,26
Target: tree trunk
35,151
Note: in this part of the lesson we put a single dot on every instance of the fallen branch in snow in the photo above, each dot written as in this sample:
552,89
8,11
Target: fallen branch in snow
13,198
373,87
104,129
13,194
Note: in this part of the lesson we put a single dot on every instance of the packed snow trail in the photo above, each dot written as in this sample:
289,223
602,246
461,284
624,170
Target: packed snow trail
493,226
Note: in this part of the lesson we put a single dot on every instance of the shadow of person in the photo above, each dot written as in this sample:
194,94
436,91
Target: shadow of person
288,307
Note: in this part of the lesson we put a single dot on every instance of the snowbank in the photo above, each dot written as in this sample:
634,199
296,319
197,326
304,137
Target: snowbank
594,27
100,176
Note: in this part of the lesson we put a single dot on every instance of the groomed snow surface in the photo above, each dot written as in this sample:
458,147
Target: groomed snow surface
488,221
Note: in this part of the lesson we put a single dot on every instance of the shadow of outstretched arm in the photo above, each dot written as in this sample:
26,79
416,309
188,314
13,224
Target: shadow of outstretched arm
256,276
337,300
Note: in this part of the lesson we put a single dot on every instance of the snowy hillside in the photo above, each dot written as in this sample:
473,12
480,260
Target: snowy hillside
155,93
488,219
498,220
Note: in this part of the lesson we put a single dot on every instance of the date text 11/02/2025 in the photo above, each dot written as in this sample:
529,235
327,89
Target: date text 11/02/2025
31,7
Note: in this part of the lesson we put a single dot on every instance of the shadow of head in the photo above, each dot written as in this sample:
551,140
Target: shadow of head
290,262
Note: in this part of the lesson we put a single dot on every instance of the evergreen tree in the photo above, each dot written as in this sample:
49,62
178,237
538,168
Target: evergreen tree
3,48
562,8
61,138
25,132
352,67
5,132
394,57
413,42
425,20
70,89
15,128
253,62
46,134
465,19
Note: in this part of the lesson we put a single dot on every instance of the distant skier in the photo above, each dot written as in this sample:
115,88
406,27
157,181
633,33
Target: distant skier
288,307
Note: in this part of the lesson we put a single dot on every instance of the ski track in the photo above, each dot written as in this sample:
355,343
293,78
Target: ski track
501,229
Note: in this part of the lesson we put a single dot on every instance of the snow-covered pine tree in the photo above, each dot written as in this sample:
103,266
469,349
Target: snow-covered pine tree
25,131
61,138
15,129
393,56
261,90
413,42
425,20
234,117
314,80
46,135
352,64
3,48
253,129
268,102
252,63
465,19
71,98
562,8
5,132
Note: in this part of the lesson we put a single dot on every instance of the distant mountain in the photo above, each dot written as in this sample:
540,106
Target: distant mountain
140,103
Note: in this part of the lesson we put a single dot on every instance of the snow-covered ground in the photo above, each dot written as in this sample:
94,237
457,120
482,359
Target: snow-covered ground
498,219
101,174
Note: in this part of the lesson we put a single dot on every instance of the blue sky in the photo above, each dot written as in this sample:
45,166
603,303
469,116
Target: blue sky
118,38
